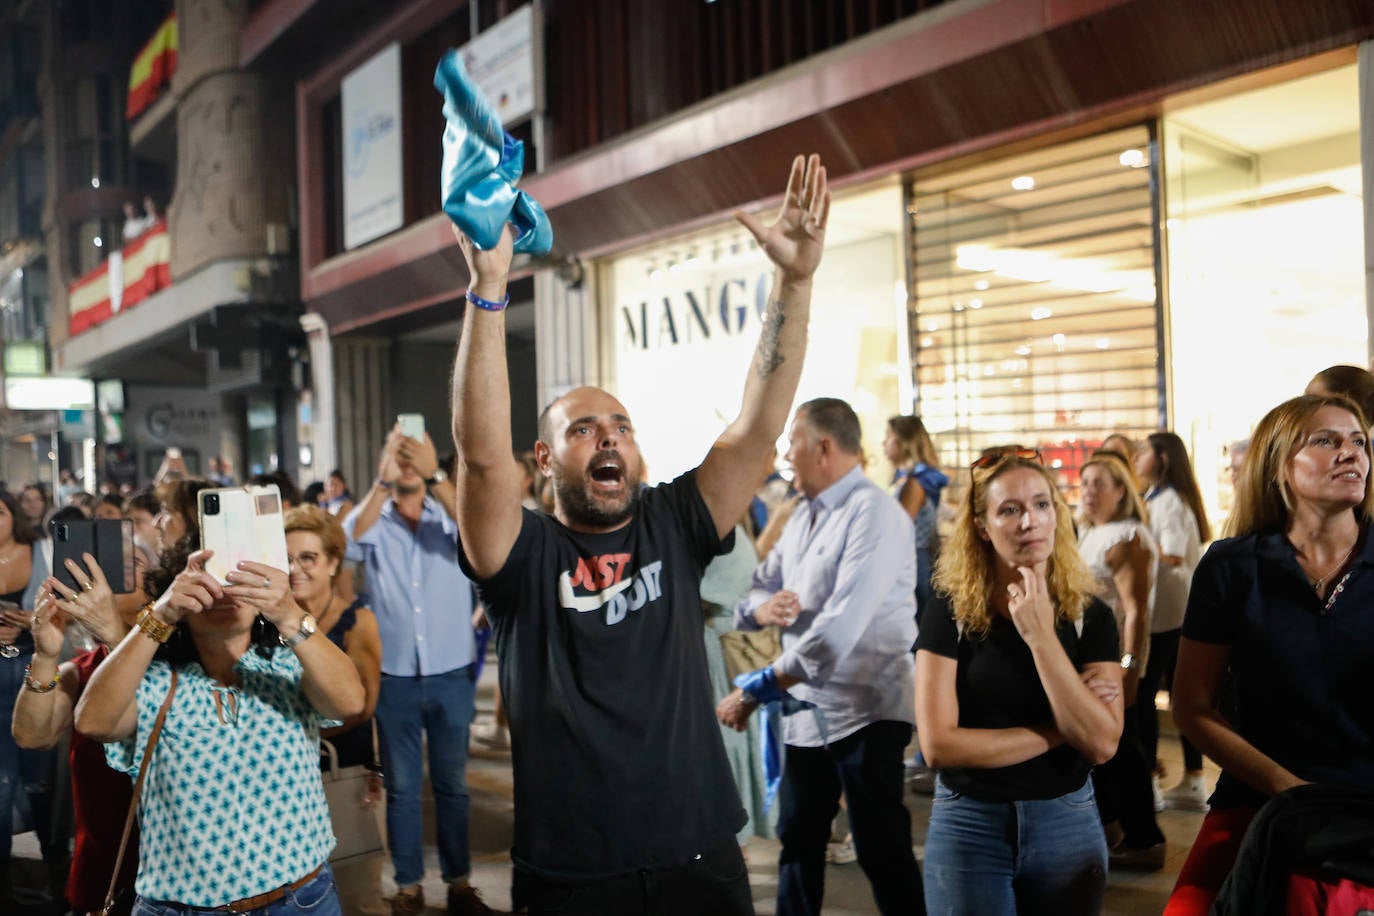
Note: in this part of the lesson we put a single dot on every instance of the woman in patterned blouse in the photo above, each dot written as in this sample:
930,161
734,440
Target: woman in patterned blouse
232,812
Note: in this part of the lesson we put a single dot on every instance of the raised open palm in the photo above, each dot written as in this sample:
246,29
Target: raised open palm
794,242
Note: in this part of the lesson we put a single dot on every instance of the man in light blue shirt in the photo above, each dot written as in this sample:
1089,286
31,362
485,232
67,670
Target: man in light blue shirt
407,541
841,582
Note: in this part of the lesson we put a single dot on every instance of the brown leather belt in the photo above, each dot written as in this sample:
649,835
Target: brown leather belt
249,904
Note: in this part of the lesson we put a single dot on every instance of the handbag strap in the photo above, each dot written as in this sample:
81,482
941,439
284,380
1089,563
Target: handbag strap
138,789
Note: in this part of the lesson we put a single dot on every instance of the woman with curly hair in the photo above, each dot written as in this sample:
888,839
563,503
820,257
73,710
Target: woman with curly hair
232,813
1018,695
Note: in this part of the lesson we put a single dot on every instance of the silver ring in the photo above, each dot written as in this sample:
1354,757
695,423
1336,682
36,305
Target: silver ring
266,582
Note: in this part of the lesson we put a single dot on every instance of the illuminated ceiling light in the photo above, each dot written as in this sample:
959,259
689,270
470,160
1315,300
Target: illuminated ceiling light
958,306
1023,350
1132,159
1059,341
95,181
1102,343
1040,314
1023,183
981,285
933,326
927,341
987,370
1093,275
975,303
1057,463
98,241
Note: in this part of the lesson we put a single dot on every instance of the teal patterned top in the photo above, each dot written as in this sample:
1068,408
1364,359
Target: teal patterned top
233,805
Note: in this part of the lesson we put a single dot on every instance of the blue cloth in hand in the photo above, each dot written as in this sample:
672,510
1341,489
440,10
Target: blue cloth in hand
482,164
762,685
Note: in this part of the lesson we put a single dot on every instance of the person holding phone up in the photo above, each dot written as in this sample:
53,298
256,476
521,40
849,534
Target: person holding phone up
43,715
232,813
407,540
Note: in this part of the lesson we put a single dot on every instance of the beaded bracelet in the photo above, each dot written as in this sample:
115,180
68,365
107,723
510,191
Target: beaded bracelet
487,303
37,686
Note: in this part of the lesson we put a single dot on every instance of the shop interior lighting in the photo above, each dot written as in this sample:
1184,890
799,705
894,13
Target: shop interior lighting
1059,341
1023,350
98,241
1023,183
981,285
927,341
1040,313
933,326
1133,159
975,303
1086,274
1102,343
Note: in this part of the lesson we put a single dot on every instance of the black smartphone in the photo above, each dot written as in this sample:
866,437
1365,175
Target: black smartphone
109,540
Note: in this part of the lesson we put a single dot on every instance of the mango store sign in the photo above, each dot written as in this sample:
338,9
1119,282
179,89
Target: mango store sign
49,393
672,314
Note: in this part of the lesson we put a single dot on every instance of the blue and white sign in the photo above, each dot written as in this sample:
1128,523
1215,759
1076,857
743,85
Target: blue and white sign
371,101
504,62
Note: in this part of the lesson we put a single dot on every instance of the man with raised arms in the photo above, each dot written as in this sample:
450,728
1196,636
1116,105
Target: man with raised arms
624,801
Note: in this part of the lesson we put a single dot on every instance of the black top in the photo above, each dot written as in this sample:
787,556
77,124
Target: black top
997,687
1302,671
355,745
618,759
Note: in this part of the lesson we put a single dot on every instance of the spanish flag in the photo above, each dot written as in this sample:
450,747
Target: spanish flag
153,68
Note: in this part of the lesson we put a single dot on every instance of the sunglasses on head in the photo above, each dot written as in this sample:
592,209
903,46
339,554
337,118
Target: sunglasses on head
998,454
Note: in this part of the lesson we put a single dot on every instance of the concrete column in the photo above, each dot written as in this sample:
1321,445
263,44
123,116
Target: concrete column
567,329
234,145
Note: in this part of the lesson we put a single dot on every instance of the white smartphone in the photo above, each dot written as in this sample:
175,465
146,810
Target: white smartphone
242,523
412,425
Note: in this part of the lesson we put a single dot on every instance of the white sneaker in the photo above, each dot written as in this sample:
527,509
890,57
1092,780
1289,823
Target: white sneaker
1189,795
841,853
1158,793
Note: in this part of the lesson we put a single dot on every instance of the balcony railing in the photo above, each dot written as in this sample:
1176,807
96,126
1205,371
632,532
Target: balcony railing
122,281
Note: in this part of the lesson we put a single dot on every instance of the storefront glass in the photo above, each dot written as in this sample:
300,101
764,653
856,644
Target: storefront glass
1035,304
1266,257
685,321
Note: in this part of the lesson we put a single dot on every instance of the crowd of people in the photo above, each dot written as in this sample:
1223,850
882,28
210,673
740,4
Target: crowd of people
687,665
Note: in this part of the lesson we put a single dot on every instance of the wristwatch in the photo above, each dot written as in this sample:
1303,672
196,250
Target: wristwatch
439,476
307,630
1130,663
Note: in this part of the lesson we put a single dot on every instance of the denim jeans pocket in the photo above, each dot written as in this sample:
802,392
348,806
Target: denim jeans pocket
144,907
944,792
1082,797
316,895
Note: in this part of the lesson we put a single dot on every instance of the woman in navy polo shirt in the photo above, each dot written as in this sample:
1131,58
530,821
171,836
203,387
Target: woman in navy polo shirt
1283,602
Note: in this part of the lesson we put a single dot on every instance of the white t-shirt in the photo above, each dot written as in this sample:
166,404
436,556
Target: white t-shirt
1094,541
1176,531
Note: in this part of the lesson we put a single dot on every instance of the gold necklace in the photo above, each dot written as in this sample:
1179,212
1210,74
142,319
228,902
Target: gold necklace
1319,584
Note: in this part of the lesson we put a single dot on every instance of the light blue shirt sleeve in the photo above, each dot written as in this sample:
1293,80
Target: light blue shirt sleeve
872,552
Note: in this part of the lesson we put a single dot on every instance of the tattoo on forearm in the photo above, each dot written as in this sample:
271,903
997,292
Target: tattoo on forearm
769,359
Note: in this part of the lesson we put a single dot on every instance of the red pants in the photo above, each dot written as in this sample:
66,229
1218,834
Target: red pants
1209,862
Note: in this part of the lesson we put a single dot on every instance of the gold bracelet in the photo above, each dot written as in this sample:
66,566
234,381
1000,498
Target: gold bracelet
38,686
157,629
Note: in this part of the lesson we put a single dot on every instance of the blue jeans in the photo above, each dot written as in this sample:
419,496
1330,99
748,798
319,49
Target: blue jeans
409,709
316,898
1044,856
33,769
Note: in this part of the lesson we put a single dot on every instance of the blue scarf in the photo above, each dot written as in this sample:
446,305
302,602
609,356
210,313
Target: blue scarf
482,163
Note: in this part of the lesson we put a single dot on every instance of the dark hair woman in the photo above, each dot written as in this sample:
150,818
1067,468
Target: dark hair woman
1178,521
249,685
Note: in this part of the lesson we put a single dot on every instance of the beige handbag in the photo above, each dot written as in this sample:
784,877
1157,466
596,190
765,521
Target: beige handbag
750,650
357,826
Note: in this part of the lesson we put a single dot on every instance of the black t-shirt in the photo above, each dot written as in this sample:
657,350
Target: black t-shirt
1302,671
619,763
997,687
